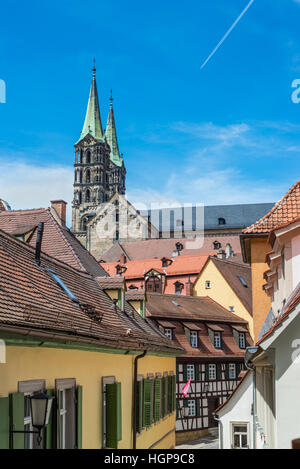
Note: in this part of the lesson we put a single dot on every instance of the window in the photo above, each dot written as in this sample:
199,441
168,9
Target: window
240,436
88,196
178,288
192,408
222,221
217,245
212,372
217,340
169,333
66,413
88,157
194,339
207,284
242,340
190,372
88,176
29,388
231,309
231,371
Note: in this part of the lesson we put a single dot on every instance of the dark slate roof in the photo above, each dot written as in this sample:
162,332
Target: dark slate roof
236,216
58,241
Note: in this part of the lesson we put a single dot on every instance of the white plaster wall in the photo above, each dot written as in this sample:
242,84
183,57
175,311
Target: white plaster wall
238,410
295,242
287,393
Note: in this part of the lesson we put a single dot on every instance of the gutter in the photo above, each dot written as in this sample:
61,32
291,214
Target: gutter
134,413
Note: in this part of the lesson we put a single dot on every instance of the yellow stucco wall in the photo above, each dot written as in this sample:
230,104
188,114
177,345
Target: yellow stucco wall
221,292
261,302
31,363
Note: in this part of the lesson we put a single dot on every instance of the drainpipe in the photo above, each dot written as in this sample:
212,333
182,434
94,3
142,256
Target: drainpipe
250,352
134,415
220,430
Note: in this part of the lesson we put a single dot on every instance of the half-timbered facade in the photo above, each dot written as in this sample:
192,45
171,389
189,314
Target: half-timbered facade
214,341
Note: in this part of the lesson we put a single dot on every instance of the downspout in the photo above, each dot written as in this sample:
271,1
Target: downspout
250,351
220,430
134,414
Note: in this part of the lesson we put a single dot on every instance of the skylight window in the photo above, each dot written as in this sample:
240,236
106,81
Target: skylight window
243,282
59,282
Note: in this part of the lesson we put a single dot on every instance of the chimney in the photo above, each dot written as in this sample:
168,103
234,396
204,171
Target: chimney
221,254
60,207
189,287
38,244
229,251
123,259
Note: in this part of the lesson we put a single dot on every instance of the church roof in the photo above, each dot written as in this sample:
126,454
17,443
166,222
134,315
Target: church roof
92,123
111,137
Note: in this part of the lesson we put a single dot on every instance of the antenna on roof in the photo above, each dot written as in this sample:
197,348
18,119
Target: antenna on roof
38,243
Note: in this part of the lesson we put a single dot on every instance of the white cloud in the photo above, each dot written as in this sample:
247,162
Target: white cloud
24,185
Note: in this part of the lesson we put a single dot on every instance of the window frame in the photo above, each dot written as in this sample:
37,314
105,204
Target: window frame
168,329
233,433
218,340
29,388
207,284
69,414
231,368
193,336
242,343
190,372
210,378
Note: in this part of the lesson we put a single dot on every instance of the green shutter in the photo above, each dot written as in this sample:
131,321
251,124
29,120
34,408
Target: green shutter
4,423
119,298
79,393
139,409
219,371
197,372
163,397
170,395
207,372
237,369
177,409
177,372
50,427
148,403
17,419
184,373
198,407
174,393
157,399
227,371
113,415
185,403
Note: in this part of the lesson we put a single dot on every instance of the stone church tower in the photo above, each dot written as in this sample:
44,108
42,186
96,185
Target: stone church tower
99,167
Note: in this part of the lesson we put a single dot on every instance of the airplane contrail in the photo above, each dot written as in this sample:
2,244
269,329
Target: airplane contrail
228,32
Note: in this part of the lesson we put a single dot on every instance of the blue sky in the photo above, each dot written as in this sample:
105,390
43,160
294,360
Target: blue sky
227,133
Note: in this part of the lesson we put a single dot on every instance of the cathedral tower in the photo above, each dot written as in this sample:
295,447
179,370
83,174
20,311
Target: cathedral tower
99,167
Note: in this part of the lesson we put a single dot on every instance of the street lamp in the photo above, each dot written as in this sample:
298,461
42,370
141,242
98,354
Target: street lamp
40,405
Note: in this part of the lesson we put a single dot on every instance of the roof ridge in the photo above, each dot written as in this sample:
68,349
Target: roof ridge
240,264
277,205
60,230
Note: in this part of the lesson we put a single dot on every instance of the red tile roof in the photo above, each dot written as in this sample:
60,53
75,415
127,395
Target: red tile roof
33,303
181,265
159,248
201,312
284,211
58,240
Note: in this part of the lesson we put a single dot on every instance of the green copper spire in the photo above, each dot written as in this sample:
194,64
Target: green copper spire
111,137
92,123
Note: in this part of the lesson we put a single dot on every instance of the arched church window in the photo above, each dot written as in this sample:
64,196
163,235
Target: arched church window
88,196
88,157
79,197
80,177
222,221
80,157
88,176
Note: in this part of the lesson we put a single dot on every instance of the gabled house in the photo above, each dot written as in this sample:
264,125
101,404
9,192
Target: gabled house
273,363
62,334
255,246
229,283
214,342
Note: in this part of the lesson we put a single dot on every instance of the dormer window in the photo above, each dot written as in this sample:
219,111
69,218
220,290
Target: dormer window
169,333
217,245
222,221
178,288
242,340
166,262
217,340
194,339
